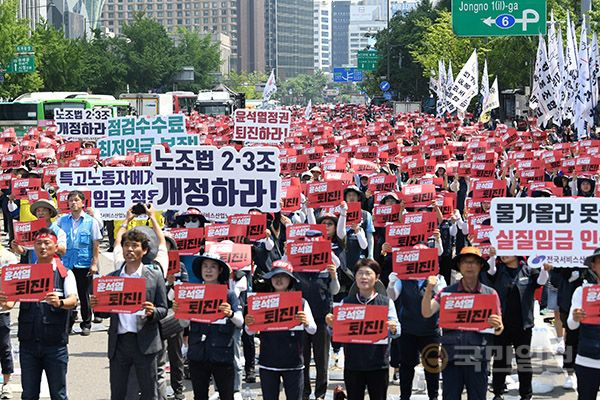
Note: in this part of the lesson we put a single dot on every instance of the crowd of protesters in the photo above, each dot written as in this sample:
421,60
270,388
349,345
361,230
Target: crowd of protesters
416,150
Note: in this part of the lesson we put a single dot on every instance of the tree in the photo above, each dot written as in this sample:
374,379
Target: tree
13,32
302,88
246,83
202,54
105,71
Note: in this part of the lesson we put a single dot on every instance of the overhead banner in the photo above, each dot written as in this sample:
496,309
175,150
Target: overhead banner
82,124
118,294
467,312
360,323
275,311
219,181
138,134
25,282
261,126
563,230
113,189
200,303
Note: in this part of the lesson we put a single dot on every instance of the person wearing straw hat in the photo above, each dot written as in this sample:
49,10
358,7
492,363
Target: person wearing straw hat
466,350
587,362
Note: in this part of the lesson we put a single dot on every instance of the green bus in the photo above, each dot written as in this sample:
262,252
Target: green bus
37,109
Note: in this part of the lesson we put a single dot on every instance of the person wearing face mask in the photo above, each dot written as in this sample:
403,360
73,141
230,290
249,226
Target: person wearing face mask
191,218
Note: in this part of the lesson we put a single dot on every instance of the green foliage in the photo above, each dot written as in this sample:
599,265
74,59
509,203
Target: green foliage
302,88
246,83
202,54
105,72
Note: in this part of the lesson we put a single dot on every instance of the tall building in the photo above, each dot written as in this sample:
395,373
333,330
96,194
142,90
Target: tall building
251,40
365,22
322,35
340,20
289,37
34,11
203,16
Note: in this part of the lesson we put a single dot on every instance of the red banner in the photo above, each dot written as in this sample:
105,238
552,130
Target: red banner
360,323
274,311
118,294
20,187
402,235
199,302
590,302
27,282
25,231
467,312
415,264
386,183
174,263
256,224
188,240
383,214
63,204
219,232
313,256
418,195
299,230
323,194
237,255
291,197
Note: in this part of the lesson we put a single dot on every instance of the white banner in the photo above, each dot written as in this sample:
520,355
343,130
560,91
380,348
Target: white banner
114,189
219,181
465,85
492,101
565,230
82,124
261,126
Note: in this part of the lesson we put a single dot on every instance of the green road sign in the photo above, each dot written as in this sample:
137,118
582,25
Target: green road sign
498,17
367,59
24,48
21,65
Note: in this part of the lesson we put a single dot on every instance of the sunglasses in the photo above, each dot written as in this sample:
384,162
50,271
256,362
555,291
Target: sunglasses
192,219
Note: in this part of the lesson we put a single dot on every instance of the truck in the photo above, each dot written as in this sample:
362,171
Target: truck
219,101
152,104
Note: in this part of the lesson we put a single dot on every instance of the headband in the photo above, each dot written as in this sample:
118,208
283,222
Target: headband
46,236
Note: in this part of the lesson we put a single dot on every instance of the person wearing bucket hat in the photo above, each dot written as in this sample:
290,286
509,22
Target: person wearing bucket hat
366,366
587,361
210,349
461,345
582,186
282,352
191,218
515,282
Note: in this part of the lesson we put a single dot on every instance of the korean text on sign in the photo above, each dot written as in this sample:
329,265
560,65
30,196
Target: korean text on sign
24,282
591,304
200,303
217,180
261,126
359,323
84,124
467,312
119,295
274,311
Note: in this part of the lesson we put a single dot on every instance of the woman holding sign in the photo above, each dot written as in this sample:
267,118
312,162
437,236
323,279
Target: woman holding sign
281,349
585,315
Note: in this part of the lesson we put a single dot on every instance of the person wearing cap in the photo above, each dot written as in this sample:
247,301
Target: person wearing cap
281,353
306,177
83,246
191,218
418,333
354,247
134,340
46,210
210,351
515,282
366,366
466,350
43,327
587,361
316,173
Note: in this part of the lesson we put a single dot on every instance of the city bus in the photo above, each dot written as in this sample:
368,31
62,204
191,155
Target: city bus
37,109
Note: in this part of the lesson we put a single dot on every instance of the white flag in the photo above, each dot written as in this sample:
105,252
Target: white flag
554,73
492,101
308,110
433,83
541,94
441,93
270,87
485,83
570,78
583,99
449,83
466,84
560,94
594,69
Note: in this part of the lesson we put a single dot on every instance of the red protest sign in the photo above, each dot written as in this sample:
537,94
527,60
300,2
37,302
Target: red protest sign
591,304
36,195
347,178
418,195
68,151
20,187
358,165
401,235
467,312
199,302
291,197
188,240
174,263
385,183
294,164
354,213
274,311
27,282
360,323
237,255
383,214
63,203
487,189
323,194
25,231
11,160
118,294
416,263
305,256
256,224
424,221
481,234
482,170
216,233
299,230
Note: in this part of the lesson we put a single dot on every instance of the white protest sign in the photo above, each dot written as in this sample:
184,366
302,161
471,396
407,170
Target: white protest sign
139,134
564,230
261,126
113,189
219,181
82,124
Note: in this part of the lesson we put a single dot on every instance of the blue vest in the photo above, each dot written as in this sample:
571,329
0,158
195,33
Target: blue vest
465,346
409,310
367,357
42,323
79,244
282,349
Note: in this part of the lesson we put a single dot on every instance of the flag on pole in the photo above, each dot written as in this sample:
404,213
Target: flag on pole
270,87
485,83
492,101
570,81
554,73
541,93
308,110
560,94
433,82
594,69
466,85
584,117
441,93
449,83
